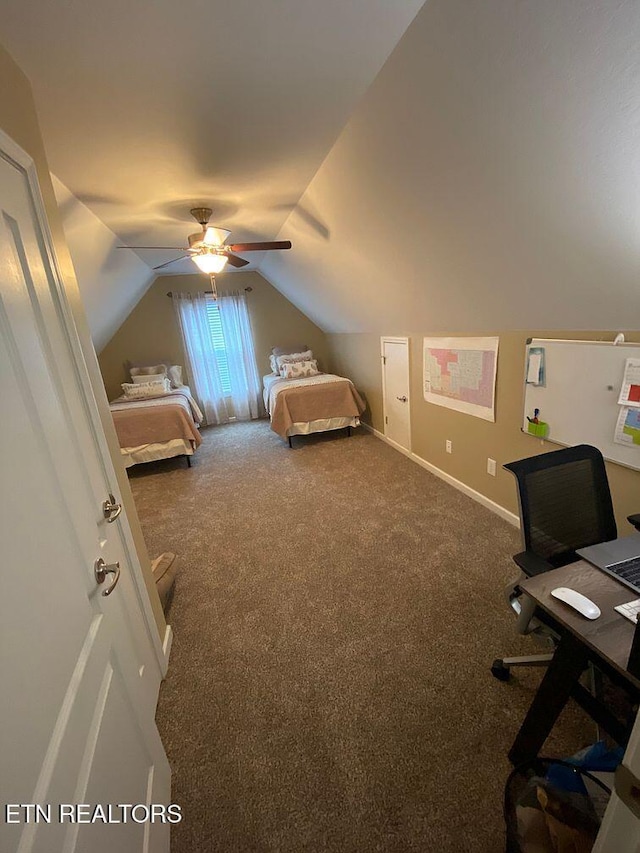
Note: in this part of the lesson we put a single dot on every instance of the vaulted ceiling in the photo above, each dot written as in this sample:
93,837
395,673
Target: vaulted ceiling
456,168
149,109
489,179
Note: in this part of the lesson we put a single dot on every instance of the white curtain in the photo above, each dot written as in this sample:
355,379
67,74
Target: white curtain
241,356
202,365
245,400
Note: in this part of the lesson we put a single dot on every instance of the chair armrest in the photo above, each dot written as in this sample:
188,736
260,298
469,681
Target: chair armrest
531,564
635,520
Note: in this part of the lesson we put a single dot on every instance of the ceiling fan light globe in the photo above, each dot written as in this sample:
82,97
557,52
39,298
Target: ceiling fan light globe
210,262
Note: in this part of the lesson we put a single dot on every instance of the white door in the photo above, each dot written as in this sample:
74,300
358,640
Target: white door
79,670
395,390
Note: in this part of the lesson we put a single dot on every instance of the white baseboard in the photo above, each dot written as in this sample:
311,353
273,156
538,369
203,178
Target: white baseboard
166,647
504,513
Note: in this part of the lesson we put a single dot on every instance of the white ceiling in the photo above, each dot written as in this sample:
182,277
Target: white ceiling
148,109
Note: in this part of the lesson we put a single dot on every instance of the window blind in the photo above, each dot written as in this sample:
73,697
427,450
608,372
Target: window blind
215,328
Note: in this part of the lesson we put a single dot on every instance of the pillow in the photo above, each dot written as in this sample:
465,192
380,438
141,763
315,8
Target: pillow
152,370
142,390
273,364
148,377
293,358
300,369
174,372
288,350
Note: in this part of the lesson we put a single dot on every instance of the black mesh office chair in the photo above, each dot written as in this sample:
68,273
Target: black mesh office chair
565,504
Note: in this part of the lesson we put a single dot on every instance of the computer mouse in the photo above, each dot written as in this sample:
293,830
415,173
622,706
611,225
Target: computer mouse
578,601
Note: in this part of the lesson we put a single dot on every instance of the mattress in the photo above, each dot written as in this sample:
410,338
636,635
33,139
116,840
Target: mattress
322,425
158,450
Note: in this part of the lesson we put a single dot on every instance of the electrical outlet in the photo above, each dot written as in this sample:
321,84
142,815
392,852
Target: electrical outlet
491,466
448,446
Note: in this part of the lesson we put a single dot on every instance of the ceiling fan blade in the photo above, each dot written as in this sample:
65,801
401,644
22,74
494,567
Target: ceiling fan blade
181,258
260,247
177,248
235,261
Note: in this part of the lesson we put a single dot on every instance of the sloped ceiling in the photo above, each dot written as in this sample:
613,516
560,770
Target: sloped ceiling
111,280
149,109
490,179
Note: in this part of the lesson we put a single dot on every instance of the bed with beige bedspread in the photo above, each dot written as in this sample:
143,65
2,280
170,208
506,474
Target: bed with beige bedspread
157,427
313,404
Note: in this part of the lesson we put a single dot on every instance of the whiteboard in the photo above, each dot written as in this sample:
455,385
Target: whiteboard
579,400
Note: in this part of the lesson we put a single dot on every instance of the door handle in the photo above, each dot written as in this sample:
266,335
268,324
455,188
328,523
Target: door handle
110,509
402,399
102,569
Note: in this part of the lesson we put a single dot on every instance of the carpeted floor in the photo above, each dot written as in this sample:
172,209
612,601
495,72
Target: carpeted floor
336,614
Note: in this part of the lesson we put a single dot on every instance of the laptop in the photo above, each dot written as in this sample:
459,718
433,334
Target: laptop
619,558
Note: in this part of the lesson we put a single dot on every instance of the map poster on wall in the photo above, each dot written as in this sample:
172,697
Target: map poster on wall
460,373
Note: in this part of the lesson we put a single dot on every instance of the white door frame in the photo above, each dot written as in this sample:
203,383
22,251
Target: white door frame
392,339
26,163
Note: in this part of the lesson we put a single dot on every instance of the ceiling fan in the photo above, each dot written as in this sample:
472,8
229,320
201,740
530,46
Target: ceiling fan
207,248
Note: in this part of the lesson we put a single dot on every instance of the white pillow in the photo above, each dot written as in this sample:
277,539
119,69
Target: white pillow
142,390
148,377
300,369
288,350
151,370
293,358
175,375
273,363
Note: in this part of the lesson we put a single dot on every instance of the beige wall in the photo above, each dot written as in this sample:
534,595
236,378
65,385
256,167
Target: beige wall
358,356
19,120
151,333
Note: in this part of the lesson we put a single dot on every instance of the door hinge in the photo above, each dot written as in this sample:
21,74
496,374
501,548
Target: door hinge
628,789
386,419
384,359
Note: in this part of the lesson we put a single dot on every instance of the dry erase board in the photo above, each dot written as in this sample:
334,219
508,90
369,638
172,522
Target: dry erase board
580,383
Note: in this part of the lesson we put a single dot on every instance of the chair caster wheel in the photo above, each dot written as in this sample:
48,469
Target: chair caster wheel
500,671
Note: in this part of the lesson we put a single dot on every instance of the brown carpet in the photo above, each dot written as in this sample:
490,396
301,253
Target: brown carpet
336,613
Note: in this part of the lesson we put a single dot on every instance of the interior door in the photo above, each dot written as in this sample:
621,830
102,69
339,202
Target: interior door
78,668
395,384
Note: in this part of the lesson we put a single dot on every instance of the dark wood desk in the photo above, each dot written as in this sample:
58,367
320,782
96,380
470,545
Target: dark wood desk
605,641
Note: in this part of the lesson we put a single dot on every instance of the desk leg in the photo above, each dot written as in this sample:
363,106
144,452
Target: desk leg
568,664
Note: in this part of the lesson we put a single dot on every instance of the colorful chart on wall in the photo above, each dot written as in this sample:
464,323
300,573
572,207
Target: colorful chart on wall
460,373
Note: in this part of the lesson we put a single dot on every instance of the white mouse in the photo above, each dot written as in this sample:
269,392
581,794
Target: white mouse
578,601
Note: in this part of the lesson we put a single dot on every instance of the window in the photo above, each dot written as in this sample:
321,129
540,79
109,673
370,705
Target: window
215,327
221,355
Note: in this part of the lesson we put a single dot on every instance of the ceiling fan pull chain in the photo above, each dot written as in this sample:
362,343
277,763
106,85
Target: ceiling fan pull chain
214,290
